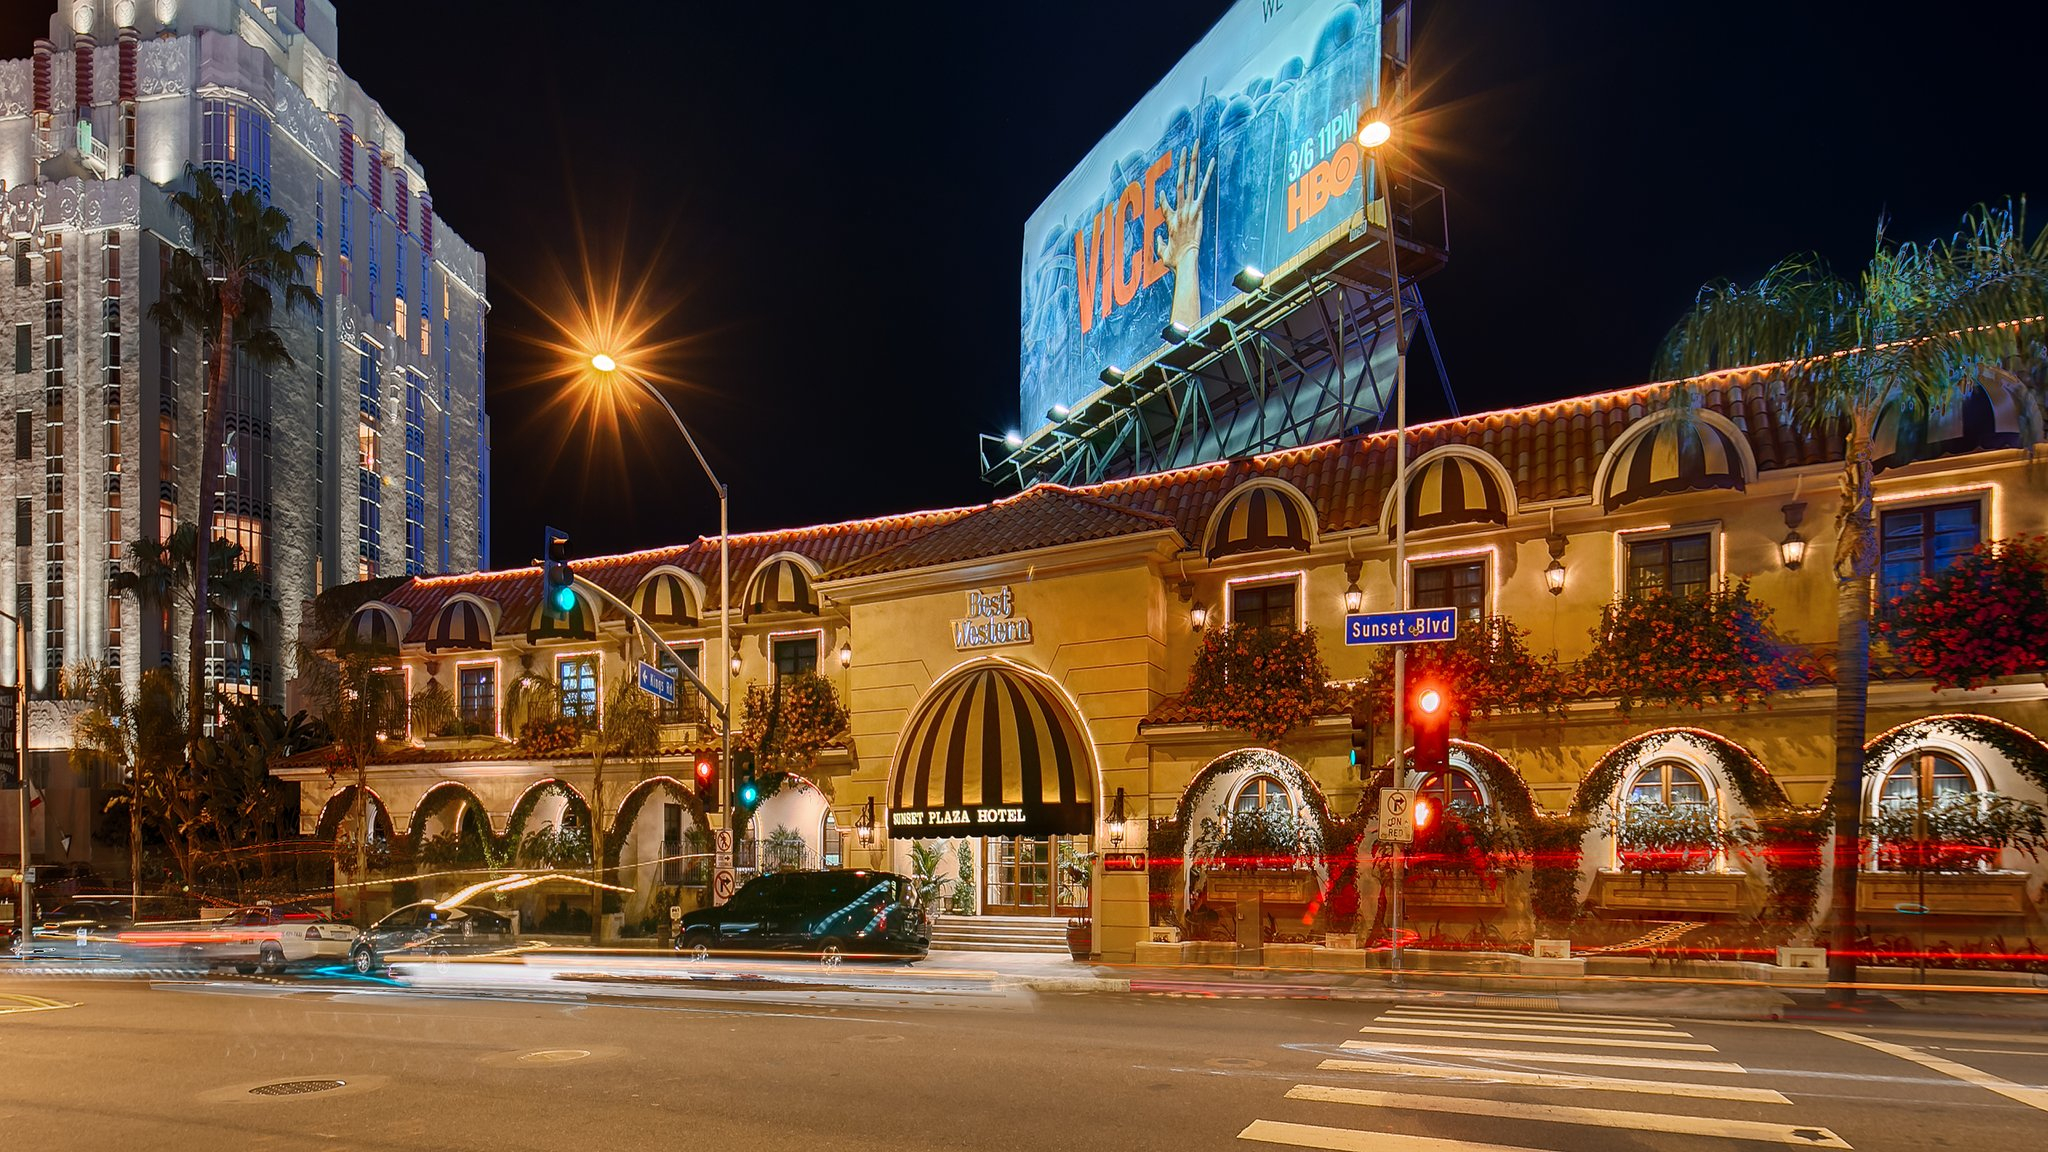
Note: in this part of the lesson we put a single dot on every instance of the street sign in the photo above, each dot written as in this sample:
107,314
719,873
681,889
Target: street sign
1419,625
656,683
1123,861
723,842
10,745
721,885
1397,816
675,911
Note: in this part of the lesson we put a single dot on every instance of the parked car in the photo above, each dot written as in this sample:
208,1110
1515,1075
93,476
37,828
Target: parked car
425,929
834,913
268,937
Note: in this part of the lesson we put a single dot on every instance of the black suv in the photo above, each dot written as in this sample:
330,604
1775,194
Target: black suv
845,912
427,930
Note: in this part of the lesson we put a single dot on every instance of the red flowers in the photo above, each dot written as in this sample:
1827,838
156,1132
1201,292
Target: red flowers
1264,681
1983,618
1658,648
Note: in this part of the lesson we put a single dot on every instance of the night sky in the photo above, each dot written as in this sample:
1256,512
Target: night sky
830,198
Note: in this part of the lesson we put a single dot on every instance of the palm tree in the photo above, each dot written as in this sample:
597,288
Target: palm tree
161,574
353,693
142,739
225,288
1915,330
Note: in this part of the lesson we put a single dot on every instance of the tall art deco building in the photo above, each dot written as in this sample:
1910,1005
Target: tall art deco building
367,455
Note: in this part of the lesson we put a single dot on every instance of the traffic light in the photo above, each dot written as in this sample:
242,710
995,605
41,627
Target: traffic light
560,593
707,781
1361,745
1429,718
746,792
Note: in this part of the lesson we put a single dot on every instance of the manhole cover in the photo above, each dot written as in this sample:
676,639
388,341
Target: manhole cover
1234,1062
554,1056
296,1087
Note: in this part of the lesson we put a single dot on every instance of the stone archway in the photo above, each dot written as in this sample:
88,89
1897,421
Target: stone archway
1225,837
660,851
336,814
546,823
450,825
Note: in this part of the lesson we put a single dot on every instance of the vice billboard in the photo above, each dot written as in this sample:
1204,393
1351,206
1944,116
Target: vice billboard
1244,155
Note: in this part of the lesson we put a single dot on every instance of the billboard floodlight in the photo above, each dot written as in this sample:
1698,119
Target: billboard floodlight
1058,412
1374,132
1112,375
1013,440
1174,333
1248,279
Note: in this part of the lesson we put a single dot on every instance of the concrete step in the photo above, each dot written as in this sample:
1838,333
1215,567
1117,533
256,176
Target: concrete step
1011,948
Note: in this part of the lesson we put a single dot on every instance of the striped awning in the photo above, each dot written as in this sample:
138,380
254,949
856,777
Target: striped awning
1990,415
992,751
578,624
663,598
460,626
371,630
1454,490
1674,456
782,586
1258,520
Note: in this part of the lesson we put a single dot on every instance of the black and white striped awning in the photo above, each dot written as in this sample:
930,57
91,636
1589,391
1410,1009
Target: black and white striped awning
1675,456
460,626
1454,489
371,629
1258,520
1992,414
782,585
992,750
663,598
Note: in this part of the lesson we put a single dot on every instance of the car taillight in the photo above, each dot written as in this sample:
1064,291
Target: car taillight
312,933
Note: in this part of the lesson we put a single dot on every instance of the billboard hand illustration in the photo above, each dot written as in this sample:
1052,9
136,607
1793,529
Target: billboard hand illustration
1180,248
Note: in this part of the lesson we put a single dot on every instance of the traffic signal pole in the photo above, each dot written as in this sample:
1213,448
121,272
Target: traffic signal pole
1400,701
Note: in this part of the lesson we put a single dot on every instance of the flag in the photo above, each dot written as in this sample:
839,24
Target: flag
35,815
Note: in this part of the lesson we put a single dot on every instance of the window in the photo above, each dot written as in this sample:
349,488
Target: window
1454,788
672,844
577,678
1268,606
24,434
393,710
1678,565
24,348
24,521
1929,774
1915,543
1669,783
22,274
477,697
1461,585
796,656
829,844
684,710
1260,793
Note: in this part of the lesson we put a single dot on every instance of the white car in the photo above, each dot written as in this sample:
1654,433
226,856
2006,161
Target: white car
266,937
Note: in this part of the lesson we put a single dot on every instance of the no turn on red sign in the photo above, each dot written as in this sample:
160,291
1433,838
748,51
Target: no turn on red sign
1397,816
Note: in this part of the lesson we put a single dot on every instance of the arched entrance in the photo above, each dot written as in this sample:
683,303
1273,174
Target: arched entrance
997,754
794,828
660,847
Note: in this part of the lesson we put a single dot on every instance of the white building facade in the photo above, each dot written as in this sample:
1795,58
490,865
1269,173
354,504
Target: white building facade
367,455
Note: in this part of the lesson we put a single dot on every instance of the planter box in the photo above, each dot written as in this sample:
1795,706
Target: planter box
1300,956
1162,955
1222,953
1338,959
1966,894
1452,890
1343,941
1271,887
1669,891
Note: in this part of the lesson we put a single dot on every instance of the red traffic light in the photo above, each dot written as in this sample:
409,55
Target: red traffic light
1429,701
1425,813
706,769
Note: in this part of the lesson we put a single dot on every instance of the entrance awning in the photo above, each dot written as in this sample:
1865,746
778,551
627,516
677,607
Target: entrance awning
992,750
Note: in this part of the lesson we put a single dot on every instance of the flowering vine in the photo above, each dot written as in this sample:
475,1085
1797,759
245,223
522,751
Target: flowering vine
1265,681
1982,618
1660,648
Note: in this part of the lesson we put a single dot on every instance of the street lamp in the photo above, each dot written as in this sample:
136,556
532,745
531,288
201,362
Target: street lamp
603,364
1118,819
23,891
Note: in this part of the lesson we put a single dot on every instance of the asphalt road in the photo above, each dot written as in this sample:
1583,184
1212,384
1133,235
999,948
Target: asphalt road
966,1064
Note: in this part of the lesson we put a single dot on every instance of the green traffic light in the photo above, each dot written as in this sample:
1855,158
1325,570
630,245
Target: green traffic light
565,599
749,794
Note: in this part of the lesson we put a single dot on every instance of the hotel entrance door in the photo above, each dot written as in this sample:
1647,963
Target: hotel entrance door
1024,877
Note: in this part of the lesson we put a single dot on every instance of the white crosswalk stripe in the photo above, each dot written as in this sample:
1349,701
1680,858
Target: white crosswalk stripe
1453,1080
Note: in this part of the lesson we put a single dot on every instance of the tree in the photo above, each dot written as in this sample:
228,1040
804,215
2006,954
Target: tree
1914,330
243,802
142,738
160,575
226,288
352,692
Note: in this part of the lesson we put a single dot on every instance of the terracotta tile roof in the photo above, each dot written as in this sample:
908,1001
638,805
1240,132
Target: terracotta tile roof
1045,516
403,755
1550,452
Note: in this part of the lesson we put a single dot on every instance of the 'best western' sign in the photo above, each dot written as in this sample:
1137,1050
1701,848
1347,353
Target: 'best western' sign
991,621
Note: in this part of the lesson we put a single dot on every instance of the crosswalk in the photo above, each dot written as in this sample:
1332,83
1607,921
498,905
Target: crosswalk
1546,1076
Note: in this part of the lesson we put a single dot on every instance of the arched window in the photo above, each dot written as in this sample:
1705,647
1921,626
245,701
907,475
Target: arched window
1668,782
828,841
1928,774
1456,788
1262,792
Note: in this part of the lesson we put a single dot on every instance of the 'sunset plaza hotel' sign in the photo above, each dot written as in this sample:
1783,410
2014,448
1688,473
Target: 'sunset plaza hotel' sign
991,621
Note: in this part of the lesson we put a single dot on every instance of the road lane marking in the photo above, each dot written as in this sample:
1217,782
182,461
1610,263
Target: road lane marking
1529,1014
1519,1026
1562,1080
2032,1097
1591,1041
1992,1051
1600,1059
1350,1140
11,1003
1797,1135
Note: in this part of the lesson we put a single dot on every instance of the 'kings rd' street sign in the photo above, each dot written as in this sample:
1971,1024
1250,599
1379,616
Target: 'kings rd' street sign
1419,625
658,684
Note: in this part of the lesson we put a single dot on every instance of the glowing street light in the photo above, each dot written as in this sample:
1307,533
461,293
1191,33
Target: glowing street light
604,363
1374,133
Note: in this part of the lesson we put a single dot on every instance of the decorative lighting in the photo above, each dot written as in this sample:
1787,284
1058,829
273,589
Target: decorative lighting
864,826
1374,133
735,663
846,654
1354,596
1118,818
1553,576
1792,549
1199,615
1112,375
603,363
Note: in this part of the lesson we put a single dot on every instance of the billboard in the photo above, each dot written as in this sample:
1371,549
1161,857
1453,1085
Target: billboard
1243,156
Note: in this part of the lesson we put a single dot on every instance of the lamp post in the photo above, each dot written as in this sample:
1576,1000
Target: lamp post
22,890
1372,136
603,364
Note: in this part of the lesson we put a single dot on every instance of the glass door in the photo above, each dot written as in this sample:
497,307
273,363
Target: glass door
1019,871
